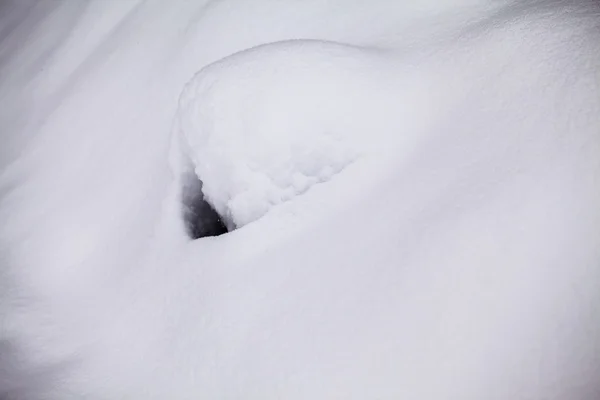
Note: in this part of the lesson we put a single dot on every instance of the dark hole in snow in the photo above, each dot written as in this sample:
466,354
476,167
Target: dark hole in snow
199,217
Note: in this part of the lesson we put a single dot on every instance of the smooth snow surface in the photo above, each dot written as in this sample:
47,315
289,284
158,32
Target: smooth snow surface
414,187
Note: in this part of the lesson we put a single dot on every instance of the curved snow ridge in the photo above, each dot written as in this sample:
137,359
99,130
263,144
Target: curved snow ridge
265,125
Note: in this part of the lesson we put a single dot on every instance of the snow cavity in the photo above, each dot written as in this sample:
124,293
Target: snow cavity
200,219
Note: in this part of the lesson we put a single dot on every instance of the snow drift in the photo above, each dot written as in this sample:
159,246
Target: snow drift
415,187
265,125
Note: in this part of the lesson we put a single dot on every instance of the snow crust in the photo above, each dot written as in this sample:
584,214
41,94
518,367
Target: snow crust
415,186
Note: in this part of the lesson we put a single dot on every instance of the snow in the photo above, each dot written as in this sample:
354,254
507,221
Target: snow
304,111
413,187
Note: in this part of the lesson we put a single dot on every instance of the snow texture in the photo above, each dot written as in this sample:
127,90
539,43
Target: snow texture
414,187
263,126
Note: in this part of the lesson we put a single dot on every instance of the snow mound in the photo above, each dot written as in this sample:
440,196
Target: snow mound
265,125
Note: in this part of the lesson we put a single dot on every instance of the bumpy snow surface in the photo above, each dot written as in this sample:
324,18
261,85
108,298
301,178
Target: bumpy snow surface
411,190
304,111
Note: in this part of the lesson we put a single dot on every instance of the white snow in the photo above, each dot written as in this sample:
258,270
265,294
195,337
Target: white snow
414,187
304,111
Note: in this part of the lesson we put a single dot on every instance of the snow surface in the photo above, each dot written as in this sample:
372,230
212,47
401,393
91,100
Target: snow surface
414,187
304,111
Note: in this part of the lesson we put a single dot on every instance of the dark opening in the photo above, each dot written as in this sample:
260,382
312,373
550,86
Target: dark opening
199,217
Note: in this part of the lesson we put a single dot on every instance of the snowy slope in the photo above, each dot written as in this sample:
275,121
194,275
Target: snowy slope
415,187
